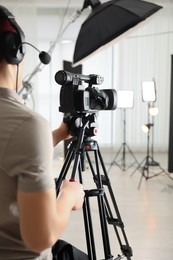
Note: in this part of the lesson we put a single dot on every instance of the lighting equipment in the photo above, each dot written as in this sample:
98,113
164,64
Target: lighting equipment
108,22
153,110
125,99
148,91
149,96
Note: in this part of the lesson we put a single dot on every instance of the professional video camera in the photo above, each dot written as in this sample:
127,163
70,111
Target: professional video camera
74,98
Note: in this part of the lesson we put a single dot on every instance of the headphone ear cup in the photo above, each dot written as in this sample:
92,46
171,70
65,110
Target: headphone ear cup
11,48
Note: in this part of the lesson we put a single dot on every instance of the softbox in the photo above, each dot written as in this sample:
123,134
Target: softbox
108,21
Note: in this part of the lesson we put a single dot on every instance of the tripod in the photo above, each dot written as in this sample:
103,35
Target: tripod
80,146
149,161
123,148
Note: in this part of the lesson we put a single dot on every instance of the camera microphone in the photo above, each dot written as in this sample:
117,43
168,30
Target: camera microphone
44,57
63,77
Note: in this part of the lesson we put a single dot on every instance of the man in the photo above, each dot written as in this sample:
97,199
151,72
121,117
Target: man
32,219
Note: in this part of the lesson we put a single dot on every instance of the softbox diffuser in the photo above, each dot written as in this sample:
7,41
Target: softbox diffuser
108,21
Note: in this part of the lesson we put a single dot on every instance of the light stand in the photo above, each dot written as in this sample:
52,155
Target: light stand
125,100
149,95
152,110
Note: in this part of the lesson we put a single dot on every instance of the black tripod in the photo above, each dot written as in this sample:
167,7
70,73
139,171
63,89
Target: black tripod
124,146
80,146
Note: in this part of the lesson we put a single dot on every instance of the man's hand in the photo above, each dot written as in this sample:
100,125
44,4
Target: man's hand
74,192
61,133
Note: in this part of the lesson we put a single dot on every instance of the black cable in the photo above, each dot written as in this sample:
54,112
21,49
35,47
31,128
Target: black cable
17,77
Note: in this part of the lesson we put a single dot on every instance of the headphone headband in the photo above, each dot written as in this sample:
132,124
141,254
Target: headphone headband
12,49
5,13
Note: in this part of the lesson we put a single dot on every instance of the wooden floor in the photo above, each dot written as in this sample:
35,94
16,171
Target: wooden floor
146,211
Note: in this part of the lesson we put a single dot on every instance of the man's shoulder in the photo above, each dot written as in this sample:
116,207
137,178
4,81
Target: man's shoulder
26,114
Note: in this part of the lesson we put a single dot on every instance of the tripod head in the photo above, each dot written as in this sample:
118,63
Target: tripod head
76,121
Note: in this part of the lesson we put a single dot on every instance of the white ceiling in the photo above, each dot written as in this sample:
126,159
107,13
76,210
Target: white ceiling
64,3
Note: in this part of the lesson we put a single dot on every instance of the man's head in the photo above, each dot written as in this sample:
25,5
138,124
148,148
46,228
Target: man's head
11,38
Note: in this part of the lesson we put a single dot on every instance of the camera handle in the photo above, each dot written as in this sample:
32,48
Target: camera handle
78,147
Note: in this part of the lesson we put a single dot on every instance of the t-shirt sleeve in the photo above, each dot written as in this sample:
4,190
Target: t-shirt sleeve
29,155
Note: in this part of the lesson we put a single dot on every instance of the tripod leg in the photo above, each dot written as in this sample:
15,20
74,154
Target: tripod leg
66,165
126,249
114,160
139,166
116,222
99,193
89,228
132,154
102,209
87,218
142,175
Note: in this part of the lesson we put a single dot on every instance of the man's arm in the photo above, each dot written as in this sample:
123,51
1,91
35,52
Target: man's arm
61,133
43,218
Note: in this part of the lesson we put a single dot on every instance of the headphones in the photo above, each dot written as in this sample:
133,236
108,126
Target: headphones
13,50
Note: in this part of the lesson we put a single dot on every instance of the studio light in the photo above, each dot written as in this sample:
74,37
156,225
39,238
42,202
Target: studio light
125,99
146,128
149,96
148,91
108,22
153,110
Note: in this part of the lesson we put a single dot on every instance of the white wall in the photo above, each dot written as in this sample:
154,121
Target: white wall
144,55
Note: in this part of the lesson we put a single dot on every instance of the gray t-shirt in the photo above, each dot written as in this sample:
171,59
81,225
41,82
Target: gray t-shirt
26,155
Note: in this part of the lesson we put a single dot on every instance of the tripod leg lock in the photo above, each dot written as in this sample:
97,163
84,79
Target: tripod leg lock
127,251
94,192
115,222
105,180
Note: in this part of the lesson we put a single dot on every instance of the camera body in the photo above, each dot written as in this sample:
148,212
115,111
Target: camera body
74,98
